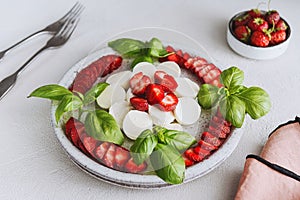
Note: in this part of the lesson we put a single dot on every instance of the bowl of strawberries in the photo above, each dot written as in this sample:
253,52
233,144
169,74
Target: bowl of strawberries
258,34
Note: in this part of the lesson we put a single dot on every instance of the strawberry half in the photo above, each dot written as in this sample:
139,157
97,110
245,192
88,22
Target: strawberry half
121,157
206,146
138,83
131,167
166,80
109,157
139,103
211,139
154,94
101,150
169,102
89,143
187,161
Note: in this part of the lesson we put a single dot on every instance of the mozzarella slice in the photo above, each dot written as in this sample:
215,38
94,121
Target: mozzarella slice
187,111
173,126
160,117
111,94
186,87
120,78
129,94
119,110
170,68
148,69
135,122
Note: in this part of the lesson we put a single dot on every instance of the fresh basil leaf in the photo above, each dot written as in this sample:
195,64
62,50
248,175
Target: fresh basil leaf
141,59
156,47
127,47
179,140
159,131
91,95
232,76
237,89
164,53
67,104
257,101
143,146
102,126
52,92
208,96
168,164
233,109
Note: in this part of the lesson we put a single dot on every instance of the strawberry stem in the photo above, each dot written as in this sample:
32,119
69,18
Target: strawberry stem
259,4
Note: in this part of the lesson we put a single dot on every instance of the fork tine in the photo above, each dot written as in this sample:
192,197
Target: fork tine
68,28
71,11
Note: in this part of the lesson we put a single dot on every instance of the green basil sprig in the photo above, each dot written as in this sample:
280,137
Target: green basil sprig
138,50
164,148
234,99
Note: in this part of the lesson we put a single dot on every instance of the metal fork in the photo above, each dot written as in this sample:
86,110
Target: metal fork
57,40
53,28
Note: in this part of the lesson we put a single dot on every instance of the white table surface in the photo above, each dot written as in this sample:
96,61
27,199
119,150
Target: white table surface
34,166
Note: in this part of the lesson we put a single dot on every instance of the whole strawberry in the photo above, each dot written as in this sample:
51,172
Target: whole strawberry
272,17
259,39
254,13
281,25
258,24
241,20
242,33
277,37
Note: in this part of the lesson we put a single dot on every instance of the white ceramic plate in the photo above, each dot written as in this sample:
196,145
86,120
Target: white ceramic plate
138,180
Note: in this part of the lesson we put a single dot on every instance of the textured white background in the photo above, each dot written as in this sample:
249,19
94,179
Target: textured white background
32,162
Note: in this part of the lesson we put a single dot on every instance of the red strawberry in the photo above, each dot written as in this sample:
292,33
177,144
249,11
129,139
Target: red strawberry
241,20
89,143
166,80
242,33
281,25
101,150
174,57
217,132
179,53
272,17
277,37
211,139
154,94
170,49
201,152
206,146
259,39
139,103
194,63
254,13
169,102
187,161
138,83
211,75
216,82
109,157
186,56
121,157
258,24
191,155
131,167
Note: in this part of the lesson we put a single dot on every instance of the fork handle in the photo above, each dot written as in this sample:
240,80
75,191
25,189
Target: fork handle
2,53
7,83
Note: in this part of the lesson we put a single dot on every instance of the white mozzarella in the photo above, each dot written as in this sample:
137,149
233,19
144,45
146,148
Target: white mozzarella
120,78
170,68
111,94
135,122
160,117
119,110
186,87
145,67
129,94
187,111
173,126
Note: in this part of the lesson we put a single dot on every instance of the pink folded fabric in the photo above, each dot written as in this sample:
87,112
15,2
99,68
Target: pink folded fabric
275,173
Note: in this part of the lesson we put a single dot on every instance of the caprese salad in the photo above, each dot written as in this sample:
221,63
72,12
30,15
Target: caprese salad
149,104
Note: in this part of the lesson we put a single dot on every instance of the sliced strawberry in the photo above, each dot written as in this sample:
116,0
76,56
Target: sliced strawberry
204,70
216,131
138,83
109,157
201,151
166,80
186,56
190,154
179,53
221,120
211,75
211,139
139,103
187,161
170,49
121,157
101,150
90,144
206,146
174,57
169,102
216,82
131,167
154,94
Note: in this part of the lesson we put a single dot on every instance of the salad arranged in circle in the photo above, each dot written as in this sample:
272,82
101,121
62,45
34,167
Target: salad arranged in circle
148,104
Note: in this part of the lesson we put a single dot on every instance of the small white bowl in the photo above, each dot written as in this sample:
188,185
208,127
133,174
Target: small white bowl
253,52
